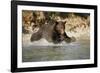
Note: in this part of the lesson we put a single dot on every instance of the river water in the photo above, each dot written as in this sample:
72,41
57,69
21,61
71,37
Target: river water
44,51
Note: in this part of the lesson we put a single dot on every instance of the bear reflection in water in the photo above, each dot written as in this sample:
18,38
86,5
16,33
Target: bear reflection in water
52,33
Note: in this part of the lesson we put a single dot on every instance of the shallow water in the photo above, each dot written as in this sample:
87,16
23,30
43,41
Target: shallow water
43,51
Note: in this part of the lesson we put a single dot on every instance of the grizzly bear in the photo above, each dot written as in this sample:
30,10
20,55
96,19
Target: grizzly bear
52,33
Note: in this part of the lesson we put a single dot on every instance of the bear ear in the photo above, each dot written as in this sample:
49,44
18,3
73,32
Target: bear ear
56,22
64,22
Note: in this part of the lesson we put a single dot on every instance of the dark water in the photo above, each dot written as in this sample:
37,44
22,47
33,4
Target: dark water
72,51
